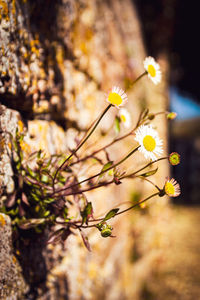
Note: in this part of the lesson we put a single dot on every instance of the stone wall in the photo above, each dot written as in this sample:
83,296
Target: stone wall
57,60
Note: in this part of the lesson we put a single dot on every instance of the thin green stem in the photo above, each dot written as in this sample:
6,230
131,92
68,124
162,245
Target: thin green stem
83,142
115,140
136,204
103,184
103,148
137,79
122,211
148,180
149,164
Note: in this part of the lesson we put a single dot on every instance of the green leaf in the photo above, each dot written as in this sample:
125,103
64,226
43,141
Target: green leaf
48,163
47,213
49,200
87,212
111,214
35,197
30,171
44,178
99,226
20,138
61,179
117,124
105,167
39,154
149,173
13,212
65,212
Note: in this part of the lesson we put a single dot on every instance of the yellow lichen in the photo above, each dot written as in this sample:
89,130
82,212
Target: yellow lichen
59,55
20,126
9,145
93,270
4,10
2,221
13,7
35,50
26,148
14,259
83,47
18,252
2,143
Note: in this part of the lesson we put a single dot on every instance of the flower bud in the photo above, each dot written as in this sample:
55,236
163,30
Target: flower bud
106,232
171,116
151,116
174,158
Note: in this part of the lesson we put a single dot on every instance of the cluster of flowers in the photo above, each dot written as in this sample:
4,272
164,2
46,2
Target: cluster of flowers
147,137
49,182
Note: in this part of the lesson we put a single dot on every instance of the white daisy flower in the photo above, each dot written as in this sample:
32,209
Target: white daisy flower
150,143
172,188
117,97
125,117
153,69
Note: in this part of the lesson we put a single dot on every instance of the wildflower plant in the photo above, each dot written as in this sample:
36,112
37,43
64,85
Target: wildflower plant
47,187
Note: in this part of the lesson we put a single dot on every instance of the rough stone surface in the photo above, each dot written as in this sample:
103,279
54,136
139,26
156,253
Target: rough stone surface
12,284
57,60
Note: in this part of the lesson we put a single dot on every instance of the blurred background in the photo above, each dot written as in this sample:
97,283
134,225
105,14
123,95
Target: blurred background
170,27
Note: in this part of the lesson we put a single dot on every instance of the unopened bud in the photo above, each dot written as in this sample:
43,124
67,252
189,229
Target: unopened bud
171,116
174,158
106,232
151,116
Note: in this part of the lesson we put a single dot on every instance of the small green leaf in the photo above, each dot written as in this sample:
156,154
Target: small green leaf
105,167
65,212
30,171
45,179
149,173
111,214
39,154
87,212
117,124
61,179
47,213
49,200
21,137
13,212
35,197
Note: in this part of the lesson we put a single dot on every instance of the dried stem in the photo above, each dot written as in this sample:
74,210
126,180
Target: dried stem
98,174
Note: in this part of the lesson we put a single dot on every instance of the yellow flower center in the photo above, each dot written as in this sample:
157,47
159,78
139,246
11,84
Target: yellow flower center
149,143
152,71
123,118
115,99
169,188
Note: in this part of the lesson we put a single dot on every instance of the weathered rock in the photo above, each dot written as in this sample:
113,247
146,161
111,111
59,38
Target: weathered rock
12,284
57,60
